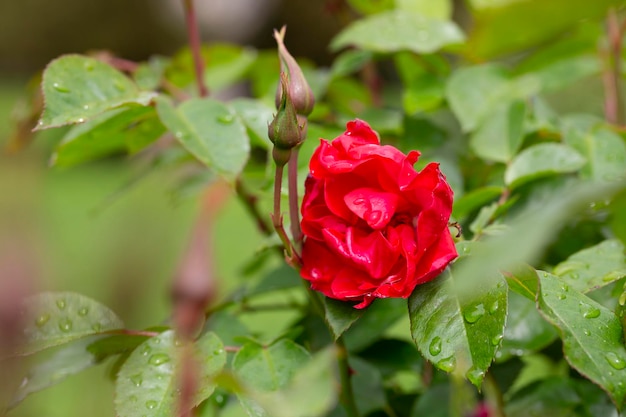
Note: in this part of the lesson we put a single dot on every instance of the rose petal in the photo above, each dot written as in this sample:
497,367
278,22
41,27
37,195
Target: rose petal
373,206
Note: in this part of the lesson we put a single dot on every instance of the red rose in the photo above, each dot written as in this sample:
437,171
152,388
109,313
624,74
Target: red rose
374,227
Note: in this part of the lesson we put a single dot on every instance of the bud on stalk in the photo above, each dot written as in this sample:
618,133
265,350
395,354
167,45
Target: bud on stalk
285,131
299,90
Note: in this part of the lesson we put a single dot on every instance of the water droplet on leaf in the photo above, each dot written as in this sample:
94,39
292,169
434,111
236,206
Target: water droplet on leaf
435,346
615,361
447,364
158,359
561,296
120,87
493,308
474,313
225,119
83,312
41,320
475,376
96,327
136,379
495,341
589,311
622,299
151,404
61,304
65,325
60,88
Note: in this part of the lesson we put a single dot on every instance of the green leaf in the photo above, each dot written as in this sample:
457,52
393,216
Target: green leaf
256,116
423,93
269,368
458,334
61,317
77,88
68,360
340,315
524,281
375,321
475,199
438,9
122,129
501,26
349,62
227,64
555,396
542,160
147,382
472,92
371,6
312,392
536,368
398,30
526,331
593,267
148,75
500,136
367,384
210,131
433,403
592,335
605,151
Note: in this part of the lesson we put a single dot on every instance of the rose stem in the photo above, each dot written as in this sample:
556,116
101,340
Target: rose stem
294,214
613,108
347,393
194,44
494,396
277,220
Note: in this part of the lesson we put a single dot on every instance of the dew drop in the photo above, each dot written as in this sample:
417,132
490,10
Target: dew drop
65,325
435,346
151,404
218,352
120,87
495,341
137,380
225,119
587,332
474,313
574,275
374,216
179,134
493,308
561,296
96,327
447,364
146,350
158,359
358,201
60,88
622,299
80,120
61,304
565,287
615,361
132,398
83,312
475,376
86,107
589,311
42,320
89,66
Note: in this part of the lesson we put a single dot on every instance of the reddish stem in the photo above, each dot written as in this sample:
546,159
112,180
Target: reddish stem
613,106
194,44
294,214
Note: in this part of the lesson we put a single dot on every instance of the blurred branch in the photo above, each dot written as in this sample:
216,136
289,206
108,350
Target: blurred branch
613,102
194,43
250,203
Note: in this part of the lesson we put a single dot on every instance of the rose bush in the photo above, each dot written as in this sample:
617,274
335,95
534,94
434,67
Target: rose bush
374,226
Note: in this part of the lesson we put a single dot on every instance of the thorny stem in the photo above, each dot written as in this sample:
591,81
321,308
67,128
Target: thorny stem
194,43
613,103
294,216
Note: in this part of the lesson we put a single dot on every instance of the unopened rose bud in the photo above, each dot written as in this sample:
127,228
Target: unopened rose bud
299,90
284,131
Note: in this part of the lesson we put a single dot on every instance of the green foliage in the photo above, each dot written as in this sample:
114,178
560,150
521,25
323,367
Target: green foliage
56,318
538,177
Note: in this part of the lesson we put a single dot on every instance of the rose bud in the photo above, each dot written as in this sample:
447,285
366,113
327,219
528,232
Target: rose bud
284,131
299,90
374,226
